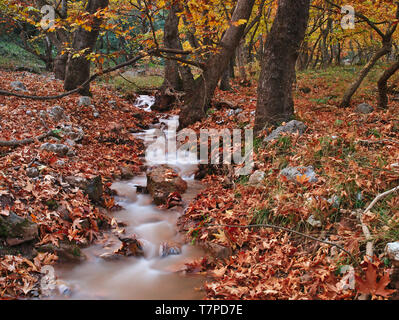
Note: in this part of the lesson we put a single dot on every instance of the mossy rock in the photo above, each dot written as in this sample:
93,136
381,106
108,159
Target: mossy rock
16,230
66,252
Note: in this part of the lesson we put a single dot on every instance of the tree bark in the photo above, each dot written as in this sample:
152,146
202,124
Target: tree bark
225,81
241,61
383,87
78,68
59,68
197,100
171,40
345,102
275,102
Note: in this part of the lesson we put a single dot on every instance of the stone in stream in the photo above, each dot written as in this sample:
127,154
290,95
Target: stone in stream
169,249
162,181
16,230
126,172
66,251
130,247
94,189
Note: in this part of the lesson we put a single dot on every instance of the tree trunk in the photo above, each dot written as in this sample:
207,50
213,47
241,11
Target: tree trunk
241,61
383,87
355,85
60,62
78,69
171,40
225,82
275,102
197,100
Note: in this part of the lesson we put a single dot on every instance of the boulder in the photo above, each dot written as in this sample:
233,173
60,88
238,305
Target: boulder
77,182
16,230
291,127
60,149
293,173
94,189
162,181
126,173
364,108
66,251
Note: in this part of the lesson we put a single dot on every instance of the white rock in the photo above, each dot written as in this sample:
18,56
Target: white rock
84,101
18,86
313,222
292,173
291,127
257,177
392,250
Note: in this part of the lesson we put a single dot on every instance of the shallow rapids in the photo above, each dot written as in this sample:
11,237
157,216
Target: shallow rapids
151,276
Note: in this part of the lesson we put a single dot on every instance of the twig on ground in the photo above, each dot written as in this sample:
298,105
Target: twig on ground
365,229
287,230
15,143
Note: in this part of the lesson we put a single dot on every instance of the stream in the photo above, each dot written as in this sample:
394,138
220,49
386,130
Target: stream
151,276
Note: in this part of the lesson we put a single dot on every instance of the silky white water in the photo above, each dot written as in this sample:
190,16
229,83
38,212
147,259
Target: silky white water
151,276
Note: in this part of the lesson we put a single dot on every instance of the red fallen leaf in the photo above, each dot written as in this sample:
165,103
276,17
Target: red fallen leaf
109,202
174,199
52,160
371,286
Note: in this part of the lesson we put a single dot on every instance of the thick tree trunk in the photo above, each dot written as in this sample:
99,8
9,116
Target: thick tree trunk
241,61
60,62
177,76
78,69
275,102
225,81
171,40
345,102
383,87
198,99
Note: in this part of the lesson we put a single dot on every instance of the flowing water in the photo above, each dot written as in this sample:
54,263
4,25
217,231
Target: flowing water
151,276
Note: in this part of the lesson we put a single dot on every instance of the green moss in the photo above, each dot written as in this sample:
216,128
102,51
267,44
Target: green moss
76,251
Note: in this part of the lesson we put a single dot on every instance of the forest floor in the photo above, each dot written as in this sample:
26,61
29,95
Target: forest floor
354,155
